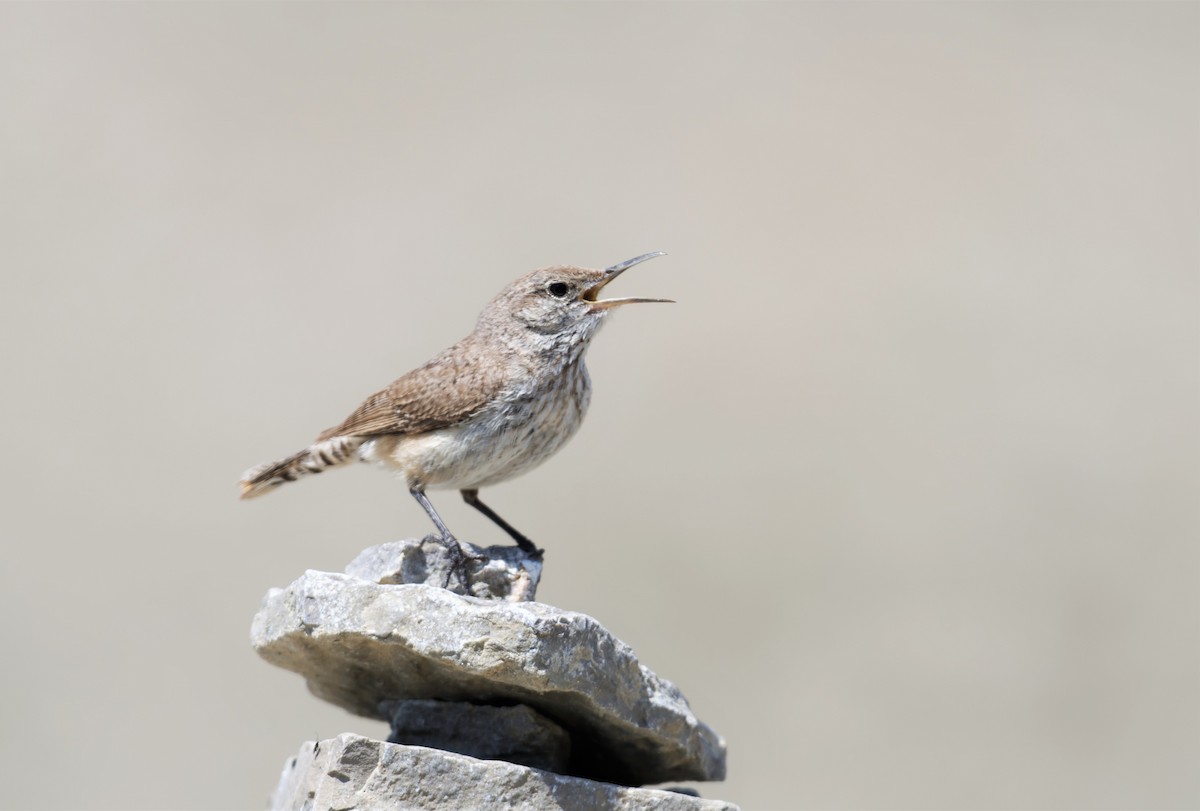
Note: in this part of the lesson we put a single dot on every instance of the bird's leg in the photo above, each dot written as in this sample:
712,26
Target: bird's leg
527,546
458,555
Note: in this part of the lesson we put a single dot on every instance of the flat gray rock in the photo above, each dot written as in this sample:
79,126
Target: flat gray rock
492,573
352,772
359,643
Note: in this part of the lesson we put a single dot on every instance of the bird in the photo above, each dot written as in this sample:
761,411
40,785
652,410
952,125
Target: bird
492,406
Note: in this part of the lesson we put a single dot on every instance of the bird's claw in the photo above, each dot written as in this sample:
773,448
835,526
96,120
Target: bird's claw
460,559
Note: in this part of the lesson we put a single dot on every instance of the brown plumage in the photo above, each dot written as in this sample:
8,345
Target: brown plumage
490,407
445,391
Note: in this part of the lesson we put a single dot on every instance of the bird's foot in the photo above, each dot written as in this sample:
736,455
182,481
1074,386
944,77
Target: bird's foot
460,560
527,546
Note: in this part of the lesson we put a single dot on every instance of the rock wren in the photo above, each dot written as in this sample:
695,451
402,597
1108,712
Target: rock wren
494,405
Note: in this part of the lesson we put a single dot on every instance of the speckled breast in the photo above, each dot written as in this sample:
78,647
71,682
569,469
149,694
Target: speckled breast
515,433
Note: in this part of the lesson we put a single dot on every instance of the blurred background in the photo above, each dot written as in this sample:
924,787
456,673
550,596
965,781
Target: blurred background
903,493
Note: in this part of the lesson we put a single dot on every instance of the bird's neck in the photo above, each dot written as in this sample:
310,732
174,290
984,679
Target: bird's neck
549,353
561,355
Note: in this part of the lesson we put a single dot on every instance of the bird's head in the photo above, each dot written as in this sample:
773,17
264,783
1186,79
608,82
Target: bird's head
559,306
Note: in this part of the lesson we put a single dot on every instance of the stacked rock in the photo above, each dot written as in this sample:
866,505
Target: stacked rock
494,701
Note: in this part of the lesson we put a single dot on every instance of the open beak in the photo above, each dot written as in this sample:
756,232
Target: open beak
612,273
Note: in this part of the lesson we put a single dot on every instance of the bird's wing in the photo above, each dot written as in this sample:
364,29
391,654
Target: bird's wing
449,389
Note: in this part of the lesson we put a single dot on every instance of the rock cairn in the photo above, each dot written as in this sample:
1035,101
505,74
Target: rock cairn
494,700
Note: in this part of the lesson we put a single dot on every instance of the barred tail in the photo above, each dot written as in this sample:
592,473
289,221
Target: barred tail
317,457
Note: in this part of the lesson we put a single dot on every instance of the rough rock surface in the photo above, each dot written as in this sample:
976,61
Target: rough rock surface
359,643
354,772
517,734
494,573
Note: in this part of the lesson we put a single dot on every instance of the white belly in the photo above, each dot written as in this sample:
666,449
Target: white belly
502,441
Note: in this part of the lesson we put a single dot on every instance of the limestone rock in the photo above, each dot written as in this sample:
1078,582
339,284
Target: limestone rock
496,573
355,772
359,643
517,734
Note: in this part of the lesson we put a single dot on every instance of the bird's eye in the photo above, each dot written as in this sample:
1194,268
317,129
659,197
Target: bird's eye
557,289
